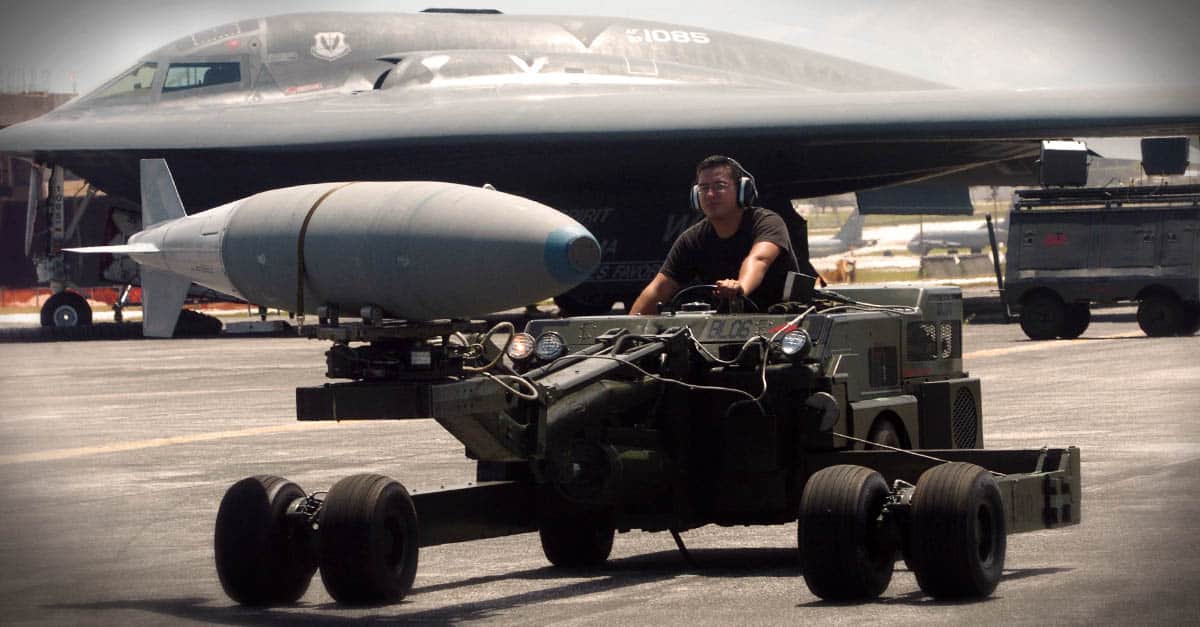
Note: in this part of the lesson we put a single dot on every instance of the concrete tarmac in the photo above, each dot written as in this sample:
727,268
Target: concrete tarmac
115,455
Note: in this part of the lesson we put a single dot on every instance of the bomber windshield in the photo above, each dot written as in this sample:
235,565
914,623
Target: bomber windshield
136,81
181,76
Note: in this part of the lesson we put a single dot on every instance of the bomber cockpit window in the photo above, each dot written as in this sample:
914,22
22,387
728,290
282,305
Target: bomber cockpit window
182,76
136,81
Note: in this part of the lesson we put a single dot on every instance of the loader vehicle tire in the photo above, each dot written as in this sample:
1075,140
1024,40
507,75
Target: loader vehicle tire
958,533
66,309
1042,316
845,552
262,559
577,541
1076,320
1161,314
368,543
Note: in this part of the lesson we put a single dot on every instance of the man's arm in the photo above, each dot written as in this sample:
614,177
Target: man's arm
750,276
659,290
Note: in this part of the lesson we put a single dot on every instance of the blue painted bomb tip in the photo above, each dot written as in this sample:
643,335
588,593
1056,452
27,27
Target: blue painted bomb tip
571,254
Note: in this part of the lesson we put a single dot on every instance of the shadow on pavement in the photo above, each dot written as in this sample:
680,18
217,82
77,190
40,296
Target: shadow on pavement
919,598
616,574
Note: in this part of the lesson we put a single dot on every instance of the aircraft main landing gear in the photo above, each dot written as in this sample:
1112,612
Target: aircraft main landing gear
66,309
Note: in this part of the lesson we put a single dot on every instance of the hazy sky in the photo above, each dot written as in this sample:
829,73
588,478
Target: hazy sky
55,44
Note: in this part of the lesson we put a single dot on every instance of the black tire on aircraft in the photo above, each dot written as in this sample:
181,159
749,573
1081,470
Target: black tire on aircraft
262,559
845,552
196,324
577,541
1076,318
958,537
1161,314
66,309
368,544
1042,316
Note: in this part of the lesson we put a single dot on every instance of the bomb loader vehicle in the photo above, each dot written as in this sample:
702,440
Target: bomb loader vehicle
848,413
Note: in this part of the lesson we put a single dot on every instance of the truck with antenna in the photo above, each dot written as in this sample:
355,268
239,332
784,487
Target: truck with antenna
848,413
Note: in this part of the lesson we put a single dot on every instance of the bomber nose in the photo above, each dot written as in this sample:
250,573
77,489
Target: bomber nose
571,254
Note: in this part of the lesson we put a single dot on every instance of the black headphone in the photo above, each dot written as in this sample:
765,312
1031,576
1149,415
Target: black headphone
747,191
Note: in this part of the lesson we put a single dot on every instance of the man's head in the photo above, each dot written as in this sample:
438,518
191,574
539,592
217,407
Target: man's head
722,186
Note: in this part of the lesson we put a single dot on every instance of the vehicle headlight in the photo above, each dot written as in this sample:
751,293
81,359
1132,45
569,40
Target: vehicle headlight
795,343
520,347
550,346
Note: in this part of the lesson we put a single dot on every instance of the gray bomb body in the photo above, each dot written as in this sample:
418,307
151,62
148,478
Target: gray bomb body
418,250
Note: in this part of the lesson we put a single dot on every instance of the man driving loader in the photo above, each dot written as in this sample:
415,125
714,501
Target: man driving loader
741,248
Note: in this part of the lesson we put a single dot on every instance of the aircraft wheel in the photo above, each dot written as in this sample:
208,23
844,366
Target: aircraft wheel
1076,319
368,543
66,309
846,552
1161,314
196,324
1042,316
261,558
958,534
577,541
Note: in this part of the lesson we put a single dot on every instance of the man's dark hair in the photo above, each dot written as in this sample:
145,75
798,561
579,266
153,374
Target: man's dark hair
714,161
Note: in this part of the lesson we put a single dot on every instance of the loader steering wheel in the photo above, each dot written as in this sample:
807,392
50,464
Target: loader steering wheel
675,302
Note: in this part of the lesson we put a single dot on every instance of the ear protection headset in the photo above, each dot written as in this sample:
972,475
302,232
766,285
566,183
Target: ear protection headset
747,191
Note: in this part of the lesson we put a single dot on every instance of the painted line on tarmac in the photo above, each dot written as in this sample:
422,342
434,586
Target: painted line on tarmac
87,451
1034,345
121,447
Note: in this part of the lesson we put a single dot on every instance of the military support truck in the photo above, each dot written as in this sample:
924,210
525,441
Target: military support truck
585,427
1069,249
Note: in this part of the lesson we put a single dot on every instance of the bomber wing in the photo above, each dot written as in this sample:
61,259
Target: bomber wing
631,114
803,143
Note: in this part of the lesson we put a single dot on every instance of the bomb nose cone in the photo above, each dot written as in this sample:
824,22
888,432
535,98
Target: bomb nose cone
571,254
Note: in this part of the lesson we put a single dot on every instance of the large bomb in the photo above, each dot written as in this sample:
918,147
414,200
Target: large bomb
415,250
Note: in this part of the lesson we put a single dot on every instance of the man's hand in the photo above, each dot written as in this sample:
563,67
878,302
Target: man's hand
728,289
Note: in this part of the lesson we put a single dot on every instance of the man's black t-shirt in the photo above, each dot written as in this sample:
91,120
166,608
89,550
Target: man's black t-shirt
699,254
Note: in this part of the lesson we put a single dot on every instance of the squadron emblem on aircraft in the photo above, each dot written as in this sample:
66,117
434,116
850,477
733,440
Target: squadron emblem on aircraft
329,46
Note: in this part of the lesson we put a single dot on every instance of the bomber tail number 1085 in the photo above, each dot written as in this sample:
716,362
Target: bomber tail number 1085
658,35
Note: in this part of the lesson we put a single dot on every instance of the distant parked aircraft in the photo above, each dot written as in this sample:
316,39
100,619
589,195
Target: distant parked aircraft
848,237
973,239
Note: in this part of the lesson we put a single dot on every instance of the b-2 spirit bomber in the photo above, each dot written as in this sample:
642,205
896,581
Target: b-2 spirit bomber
599,117
848,413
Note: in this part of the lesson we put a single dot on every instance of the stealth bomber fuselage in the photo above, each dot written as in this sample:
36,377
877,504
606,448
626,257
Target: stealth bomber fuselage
603,118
